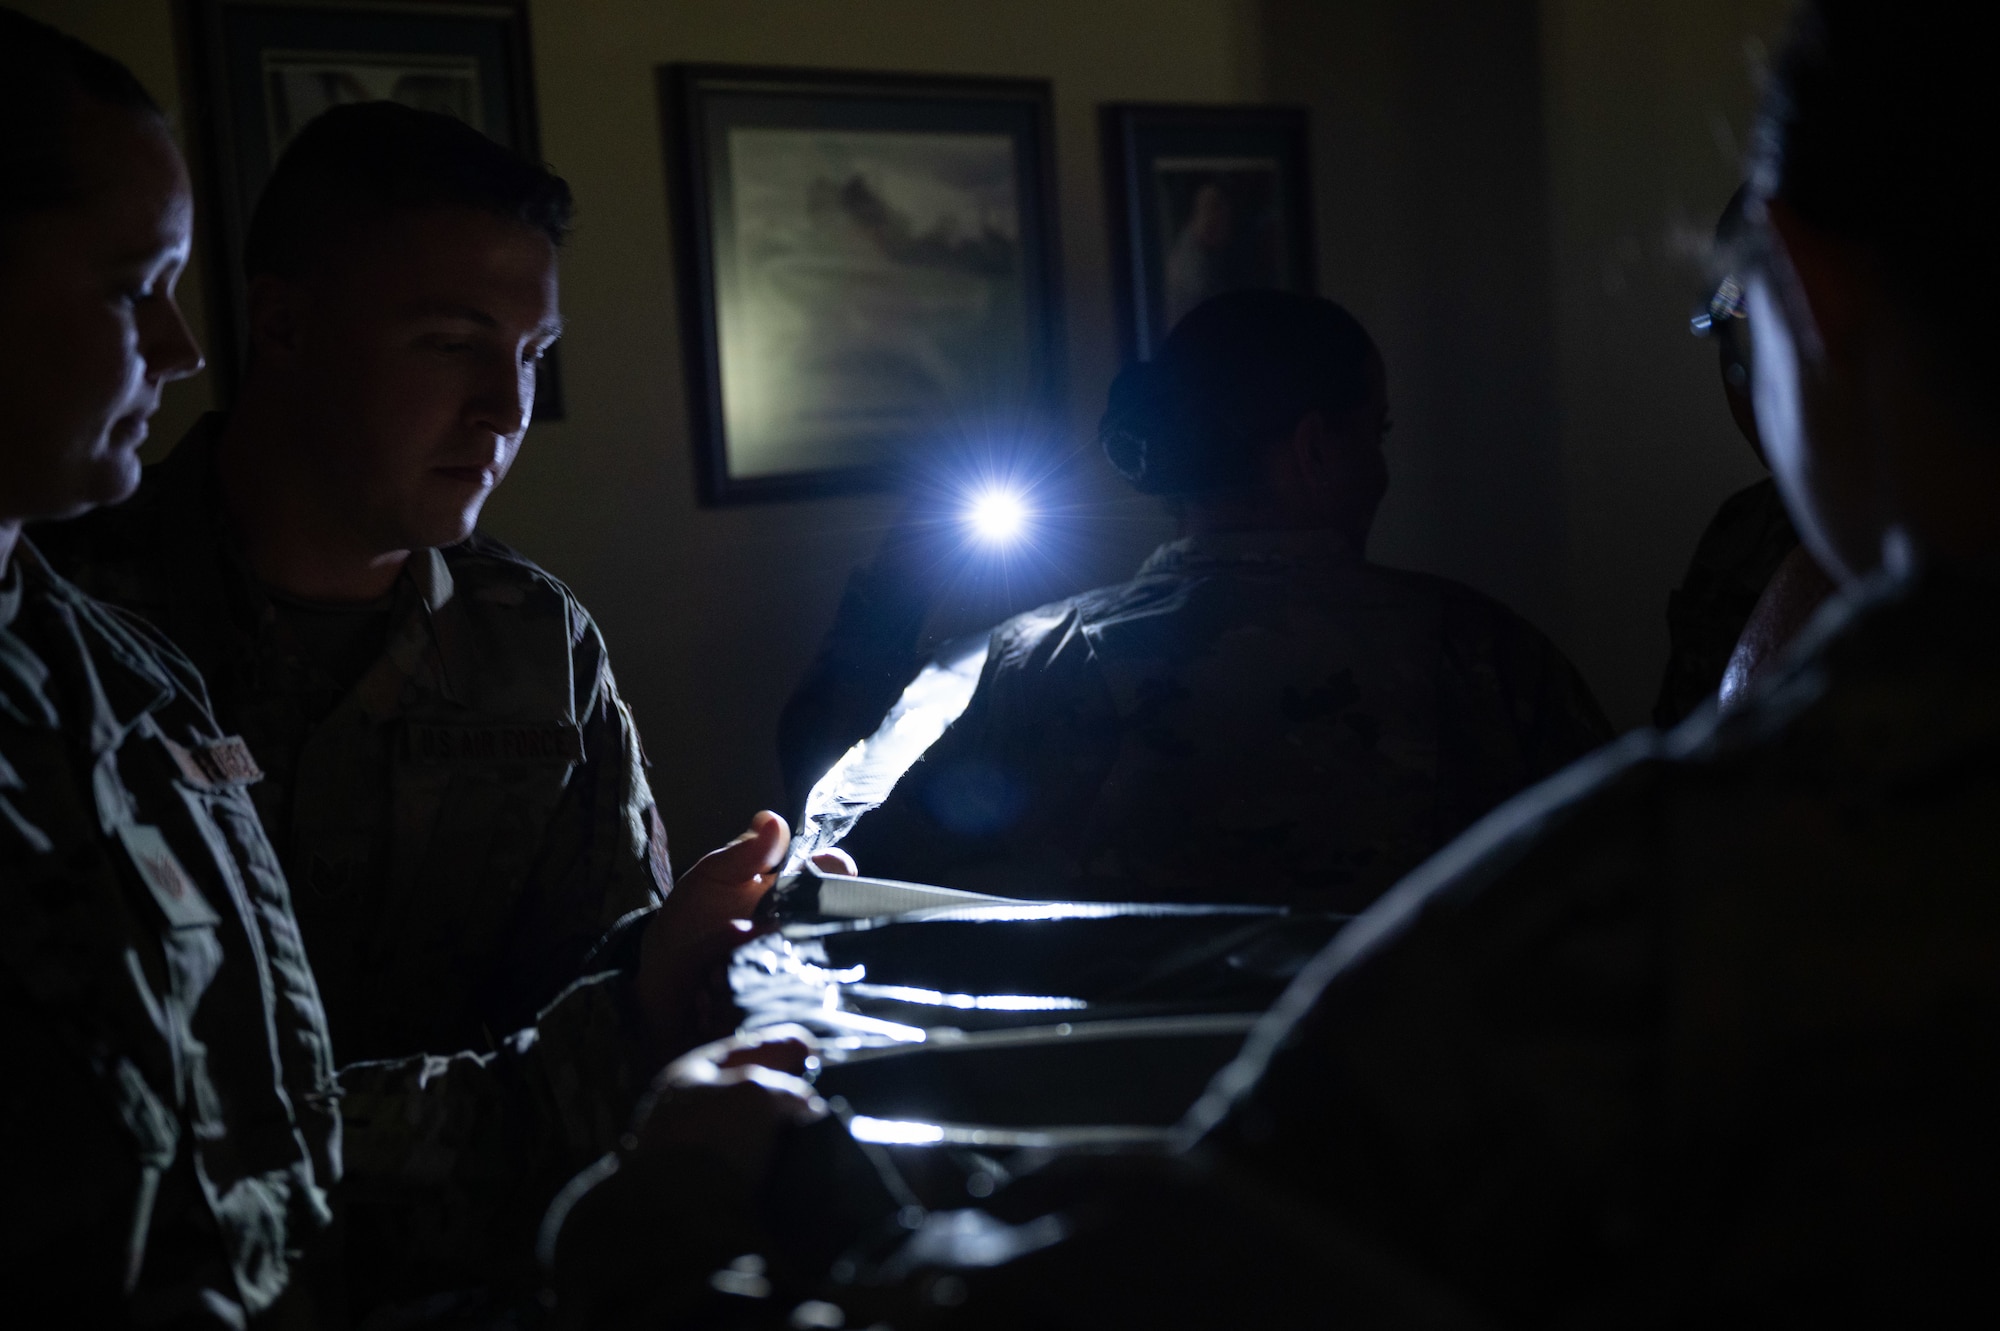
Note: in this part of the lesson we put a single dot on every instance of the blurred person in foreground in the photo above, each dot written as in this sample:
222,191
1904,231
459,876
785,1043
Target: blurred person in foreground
175,1142
454,787
1260,714
1706,1030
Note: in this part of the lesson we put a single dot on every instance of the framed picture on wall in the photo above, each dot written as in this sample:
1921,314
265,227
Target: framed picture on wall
267,68
1202,200
869,270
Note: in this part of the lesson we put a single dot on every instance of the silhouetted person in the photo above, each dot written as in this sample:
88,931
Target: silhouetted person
1261,713
1747,540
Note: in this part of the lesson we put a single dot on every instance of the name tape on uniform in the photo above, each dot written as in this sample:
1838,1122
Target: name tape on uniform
227,762
160,869
502,744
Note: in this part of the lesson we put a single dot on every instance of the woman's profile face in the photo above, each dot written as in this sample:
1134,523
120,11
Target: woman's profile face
89,332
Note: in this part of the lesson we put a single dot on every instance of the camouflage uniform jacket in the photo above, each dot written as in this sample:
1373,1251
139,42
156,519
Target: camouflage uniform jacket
1259,716
168,1133
466,822
1738,554
167,1127
1705,1031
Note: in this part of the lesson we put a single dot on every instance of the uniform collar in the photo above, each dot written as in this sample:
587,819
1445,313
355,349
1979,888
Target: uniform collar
116,679
1249,552
431,645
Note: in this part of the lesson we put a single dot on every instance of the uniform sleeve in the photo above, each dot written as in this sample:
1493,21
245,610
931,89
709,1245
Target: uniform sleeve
1512,711
1680,1045
604,855
864,662
1558,716
450,1162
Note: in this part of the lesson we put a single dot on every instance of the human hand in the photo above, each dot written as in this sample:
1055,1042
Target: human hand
687,944
729,1099
679,1198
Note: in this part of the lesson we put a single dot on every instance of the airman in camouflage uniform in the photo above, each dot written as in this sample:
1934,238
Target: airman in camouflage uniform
1715,1009
1260,714
1257,715
1750,536
462,824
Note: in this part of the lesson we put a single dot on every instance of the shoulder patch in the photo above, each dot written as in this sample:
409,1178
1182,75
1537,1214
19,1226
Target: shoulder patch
494,574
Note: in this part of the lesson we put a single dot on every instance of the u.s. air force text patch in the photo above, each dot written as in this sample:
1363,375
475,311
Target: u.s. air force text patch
498,744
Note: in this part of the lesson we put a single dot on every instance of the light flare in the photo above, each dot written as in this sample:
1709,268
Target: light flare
997,516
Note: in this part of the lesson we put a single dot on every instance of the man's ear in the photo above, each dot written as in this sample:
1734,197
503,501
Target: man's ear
277,315
1823,280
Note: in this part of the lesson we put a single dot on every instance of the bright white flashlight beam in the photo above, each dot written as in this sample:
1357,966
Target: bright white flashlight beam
997,516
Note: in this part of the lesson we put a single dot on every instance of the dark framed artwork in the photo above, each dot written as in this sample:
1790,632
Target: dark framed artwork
269,67
868,270
1202,200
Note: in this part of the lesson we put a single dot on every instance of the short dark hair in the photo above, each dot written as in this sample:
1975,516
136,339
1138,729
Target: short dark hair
356,164
1876,124
42,72
1233,376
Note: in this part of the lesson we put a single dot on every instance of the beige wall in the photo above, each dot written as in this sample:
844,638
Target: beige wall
1432,203
1507,190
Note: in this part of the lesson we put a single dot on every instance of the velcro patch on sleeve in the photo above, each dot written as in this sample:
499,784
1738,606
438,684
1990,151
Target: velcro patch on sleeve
180,900
227,762
496,745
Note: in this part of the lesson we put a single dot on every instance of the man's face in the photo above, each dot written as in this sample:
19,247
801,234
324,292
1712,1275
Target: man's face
89,333
411,354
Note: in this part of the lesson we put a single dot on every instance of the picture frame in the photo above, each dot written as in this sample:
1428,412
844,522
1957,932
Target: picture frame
1201,200
869,271
266,67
